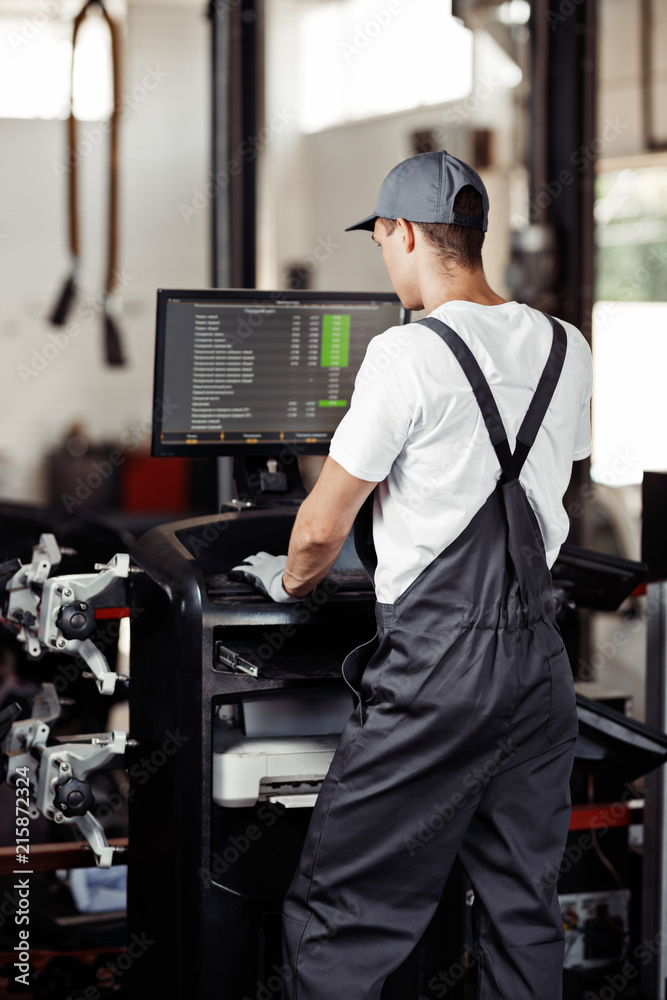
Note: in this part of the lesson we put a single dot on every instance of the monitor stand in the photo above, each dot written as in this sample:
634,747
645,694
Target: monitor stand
266,481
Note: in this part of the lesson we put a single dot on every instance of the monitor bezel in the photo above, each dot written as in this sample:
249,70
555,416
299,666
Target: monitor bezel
237,449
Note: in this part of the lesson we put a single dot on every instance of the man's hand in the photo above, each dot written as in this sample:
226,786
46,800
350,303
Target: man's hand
265,573
322,525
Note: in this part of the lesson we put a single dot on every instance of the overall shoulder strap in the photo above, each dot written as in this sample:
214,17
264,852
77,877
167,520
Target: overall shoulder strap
546,387
511,464
480,387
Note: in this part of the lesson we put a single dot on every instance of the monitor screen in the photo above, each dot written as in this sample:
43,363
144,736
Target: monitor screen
246,371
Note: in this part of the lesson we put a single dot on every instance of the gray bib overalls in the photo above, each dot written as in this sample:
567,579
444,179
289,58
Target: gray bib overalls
461,742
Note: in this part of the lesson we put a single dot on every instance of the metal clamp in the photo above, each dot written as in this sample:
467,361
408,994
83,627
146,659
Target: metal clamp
59,774
53,613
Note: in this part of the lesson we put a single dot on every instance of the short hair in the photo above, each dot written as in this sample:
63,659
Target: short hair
455,246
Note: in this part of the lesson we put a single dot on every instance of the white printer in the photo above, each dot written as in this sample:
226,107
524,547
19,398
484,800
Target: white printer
278,748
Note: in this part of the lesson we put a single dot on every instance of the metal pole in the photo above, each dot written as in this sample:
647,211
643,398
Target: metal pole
237,61
237,72
219,13
654,890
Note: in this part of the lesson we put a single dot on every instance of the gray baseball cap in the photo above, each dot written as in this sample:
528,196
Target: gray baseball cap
423,189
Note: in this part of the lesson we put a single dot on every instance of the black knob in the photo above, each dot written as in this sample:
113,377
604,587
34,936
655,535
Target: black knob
73,797
76,620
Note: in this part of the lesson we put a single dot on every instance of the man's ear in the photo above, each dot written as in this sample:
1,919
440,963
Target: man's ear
407,234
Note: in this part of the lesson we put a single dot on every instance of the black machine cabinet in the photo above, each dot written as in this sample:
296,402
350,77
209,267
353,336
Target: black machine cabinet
207,880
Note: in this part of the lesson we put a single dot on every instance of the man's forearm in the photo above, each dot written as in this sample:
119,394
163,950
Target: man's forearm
321,527
312,553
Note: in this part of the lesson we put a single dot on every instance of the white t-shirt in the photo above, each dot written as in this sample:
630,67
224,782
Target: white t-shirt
415,427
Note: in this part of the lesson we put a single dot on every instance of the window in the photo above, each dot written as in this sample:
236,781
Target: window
359,59
630,325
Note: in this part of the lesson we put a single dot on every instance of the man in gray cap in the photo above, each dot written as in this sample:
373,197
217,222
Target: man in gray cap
465,425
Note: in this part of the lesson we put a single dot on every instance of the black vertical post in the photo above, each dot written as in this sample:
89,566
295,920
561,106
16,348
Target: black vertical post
571,154
563,173
571,151
236,106
562,195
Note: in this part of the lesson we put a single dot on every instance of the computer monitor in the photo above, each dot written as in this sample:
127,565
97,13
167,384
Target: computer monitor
243,372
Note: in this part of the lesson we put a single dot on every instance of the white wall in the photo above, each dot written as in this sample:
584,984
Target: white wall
164,156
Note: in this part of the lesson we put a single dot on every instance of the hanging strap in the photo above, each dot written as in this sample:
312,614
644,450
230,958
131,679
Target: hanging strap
510,463
112,337
113,348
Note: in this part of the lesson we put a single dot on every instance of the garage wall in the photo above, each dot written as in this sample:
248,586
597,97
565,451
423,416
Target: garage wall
50,380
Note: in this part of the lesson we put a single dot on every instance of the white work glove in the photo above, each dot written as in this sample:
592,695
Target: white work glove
265,573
